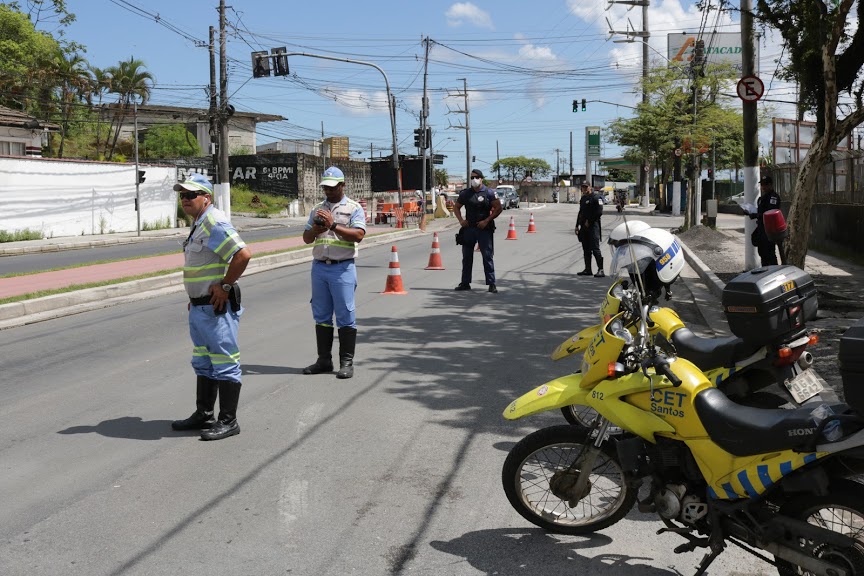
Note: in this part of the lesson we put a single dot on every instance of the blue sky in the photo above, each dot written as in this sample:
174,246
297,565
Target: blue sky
524,63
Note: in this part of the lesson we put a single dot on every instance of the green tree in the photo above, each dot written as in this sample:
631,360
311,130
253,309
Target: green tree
170,141
618,175
131,82
26,57
75,86
441,177
826,61
518,168
668,121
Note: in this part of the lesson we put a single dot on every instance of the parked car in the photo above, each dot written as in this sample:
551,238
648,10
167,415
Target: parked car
508,196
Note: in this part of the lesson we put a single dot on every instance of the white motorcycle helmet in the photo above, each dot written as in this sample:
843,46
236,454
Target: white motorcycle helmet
655,255
624,230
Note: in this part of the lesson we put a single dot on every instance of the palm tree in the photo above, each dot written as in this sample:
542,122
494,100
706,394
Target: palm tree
74,84
130,82
101,83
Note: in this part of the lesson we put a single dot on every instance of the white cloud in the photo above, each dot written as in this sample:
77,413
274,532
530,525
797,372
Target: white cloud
358,102
466,12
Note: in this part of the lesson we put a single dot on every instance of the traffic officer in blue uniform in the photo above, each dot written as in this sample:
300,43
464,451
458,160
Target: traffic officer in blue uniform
336,226
769,199
588,229
482,206
215,258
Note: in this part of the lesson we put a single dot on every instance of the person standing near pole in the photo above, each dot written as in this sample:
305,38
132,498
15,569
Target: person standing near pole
588,229
215,258
768,200
482,206
336,226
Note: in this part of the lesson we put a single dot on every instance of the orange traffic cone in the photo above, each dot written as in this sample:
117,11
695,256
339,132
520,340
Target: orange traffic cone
531,228
511,233
435,256
394,275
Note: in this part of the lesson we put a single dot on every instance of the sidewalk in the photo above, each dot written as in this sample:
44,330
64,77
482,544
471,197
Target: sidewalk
289,251
718,256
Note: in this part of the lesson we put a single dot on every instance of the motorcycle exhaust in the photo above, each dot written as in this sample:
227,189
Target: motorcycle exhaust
805,361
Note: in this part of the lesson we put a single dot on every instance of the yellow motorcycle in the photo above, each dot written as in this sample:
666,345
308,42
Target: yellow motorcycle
771,480
765,364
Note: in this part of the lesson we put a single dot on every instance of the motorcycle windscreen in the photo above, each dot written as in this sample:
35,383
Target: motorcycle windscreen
612,302
603,350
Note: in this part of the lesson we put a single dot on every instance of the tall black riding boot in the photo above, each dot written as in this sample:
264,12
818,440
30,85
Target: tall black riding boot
347,342
324,337
229,396
600,273
205,399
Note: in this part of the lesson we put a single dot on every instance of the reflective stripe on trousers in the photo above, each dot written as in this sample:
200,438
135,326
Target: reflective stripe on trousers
215,353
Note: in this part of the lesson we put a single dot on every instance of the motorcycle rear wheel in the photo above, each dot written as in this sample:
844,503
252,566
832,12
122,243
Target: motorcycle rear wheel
840,511
543,459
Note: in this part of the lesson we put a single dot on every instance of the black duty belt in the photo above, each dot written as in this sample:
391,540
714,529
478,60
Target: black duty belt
202,301
329,261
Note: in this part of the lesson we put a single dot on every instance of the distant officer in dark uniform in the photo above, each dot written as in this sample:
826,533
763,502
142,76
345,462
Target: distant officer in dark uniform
768,200
588,229
482,206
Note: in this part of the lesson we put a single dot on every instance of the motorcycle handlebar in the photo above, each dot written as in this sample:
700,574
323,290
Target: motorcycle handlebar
661,366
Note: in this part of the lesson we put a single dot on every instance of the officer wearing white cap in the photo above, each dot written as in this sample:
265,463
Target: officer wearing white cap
215,258
336,226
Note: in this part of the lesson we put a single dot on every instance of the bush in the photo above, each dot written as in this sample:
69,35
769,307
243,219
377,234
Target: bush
244,199
19,235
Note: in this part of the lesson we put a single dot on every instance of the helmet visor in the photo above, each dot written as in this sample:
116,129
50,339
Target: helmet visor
632,258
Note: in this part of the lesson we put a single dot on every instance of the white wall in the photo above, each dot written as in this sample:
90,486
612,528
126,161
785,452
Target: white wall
71,198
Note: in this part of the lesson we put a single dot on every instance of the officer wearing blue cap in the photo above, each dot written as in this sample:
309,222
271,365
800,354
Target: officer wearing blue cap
215,258
336,226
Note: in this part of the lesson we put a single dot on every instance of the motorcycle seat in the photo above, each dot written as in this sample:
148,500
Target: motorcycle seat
708,353
745,431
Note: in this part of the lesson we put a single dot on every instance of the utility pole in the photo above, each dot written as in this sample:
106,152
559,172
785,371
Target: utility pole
751,128
557,164
498,158
631,34
214,128
224,171
571,158
137,174
467,136
424,114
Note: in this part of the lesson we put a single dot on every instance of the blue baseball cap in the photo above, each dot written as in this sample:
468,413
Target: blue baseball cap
195,183
332,177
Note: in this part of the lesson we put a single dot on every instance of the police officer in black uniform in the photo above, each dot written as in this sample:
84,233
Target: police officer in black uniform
482,206
768,200
588,229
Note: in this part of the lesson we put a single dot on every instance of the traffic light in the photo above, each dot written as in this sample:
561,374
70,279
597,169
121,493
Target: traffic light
141,177
575,105
418,137
260,64
583,104
428,142
280,61
710,174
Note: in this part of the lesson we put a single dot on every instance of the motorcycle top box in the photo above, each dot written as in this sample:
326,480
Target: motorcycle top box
851,360
770,303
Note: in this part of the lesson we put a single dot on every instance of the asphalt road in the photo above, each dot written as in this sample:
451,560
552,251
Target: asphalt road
396,471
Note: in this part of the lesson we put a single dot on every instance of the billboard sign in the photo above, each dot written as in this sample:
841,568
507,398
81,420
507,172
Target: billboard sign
720,47
592,136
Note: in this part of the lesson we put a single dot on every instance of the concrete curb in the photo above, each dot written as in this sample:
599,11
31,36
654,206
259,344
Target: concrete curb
714,284
58,305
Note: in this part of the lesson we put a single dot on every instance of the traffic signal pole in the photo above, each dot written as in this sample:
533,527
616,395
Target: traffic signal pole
137,174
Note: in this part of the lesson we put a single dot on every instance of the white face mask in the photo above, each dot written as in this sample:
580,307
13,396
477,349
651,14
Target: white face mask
475,182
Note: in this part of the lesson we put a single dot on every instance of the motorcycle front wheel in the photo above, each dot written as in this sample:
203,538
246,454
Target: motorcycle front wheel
840,511
584,416
540,468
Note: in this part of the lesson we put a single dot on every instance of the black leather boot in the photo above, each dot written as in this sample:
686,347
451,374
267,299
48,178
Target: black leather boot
347,343
205,399
229,396
324,337
600,273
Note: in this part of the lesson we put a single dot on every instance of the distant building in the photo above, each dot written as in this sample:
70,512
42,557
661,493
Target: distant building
241,126
333,147
22,134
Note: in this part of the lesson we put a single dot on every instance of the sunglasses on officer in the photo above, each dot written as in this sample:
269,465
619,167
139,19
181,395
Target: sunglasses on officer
189,195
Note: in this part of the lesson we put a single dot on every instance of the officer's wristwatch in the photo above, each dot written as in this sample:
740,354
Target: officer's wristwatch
226,287
333,226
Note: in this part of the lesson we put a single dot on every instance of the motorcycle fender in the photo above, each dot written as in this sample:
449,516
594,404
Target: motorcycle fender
550,396
577,343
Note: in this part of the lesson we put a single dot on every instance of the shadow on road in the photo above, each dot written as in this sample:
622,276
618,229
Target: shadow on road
261,369
131,427
515,551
